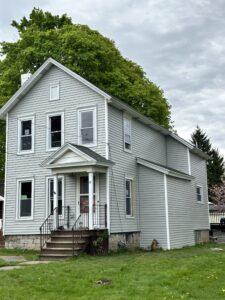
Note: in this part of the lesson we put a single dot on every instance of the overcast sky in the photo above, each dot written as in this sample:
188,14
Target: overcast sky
180,44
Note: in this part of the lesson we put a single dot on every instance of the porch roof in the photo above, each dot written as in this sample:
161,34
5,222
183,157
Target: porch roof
72,158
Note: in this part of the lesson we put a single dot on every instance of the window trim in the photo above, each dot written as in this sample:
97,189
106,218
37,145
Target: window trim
87,109
201,190
18,192
50,91
48,116
20,120
47,193
127,178
128,118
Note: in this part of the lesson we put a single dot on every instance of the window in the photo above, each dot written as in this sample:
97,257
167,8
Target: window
55,127
87,127
51,195
199,194
26,135
25,198
129,200
54,92
127,134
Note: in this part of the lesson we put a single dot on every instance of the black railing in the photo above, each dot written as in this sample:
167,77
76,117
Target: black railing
82,223
61,217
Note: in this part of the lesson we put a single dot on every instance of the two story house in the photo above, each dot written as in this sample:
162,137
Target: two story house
78,158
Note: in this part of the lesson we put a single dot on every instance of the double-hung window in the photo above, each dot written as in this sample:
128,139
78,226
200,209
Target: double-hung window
127,134
25,198
199,194
87,128
129,197
55,131
26,135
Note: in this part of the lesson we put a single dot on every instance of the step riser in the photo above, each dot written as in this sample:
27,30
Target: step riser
77,232
63,245
66,239
55,251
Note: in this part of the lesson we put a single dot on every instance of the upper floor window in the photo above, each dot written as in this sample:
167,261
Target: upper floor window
26,135
25,198
129,197
87,128
54,92
127,134
55,131
199,194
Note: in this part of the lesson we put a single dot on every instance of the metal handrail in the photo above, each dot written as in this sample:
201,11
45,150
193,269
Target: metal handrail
62,219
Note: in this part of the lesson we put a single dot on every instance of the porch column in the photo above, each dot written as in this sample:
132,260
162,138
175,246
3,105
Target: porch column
55,202
91,198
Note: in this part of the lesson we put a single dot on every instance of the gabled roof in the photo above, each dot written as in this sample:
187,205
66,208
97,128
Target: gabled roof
113,100
164,169
71,155
36,76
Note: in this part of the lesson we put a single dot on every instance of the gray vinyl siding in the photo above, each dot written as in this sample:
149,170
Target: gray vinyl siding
177,157
146,143
179,211
73,95
200,211
152,207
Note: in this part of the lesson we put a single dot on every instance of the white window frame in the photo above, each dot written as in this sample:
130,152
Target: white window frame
127,178
51,98
19,181
48,139
201,193
129,119
20,120
88,109
47,191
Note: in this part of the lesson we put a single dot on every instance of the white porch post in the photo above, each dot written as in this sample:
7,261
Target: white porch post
91,198
55,201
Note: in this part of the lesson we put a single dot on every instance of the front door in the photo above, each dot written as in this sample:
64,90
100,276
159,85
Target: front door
83,200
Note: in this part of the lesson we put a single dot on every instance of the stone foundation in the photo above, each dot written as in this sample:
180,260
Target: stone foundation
201,236
31,242
130,240
219,235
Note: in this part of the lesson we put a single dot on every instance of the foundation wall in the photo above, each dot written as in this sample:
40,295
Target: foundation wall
30,242
130,240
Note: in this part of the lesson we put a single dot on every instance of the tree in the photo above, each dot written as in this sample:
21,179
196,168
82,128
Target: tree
200,140
215,165
84,51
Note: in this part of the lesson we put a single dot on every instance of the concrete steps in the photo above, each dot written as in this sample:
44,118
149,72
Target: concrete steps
60,244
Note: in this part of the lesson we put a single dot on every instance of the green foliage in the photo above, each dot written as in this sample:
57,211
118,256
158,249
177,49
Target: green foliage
84,51
215,165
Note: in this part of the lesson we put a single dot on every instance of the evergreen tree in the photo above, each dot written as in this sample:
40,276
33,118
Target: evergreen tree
215,165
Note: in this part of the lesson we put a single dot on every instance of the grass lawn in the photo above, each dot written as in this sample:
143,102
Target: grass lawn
190,273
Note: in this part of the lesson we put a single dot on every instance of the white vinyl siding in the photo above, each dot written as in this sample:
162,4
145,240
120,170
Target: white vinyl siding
127,134
55,130
87,127
54,92
26,135
25,198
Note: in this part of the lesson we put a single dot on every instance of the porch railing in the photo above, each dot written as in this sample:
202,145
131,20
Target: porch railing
61,217
217,217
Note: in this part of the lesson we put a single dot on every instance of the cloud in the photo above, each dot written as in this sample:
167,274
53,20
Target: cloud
180,45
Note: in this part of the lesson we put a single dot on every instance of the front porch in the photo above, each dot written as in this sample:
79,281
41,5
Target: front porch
77,201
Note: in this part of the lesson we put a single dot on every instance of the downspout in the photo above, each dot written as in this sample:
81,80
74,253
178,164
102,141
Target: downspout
6,163
107,157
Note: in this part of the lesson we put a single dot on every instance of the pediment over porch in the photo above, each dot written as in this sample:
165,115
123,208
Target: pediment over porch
71,158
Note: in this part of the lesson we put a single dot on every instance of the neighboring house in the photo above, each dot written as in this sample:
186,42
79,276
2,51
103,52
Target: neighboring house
74,149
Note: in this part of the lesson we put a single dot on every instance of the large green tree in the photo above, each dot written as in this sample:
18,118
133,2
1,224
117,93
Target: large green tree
215,165
84,51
